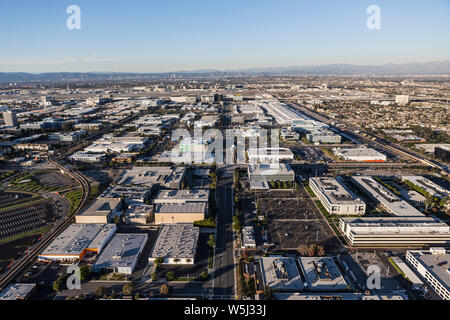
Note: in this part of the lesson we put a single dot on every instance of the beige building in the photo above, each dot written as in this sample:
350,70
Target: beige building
179,213
101,210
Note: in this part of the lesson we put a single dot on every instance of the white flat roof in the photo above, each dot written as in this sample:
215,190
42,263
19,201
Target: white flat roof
77,237
393,203
122,250
176,241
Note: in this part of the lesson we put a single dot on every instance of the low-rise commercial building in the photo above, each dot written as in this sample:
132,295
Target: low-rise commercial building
87,157
131,194
164,176
121,254
280,274
380,194
361,154
179,212
78,239
182,196
398,231
429,186
138,213
268,155
101,210
176,244
433,266
322,274
270,172
323,135
336,197
17,291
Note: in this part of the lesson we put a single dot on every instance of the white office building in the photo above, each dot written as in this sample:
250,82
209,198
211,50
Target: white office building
398,231
336,197
380,194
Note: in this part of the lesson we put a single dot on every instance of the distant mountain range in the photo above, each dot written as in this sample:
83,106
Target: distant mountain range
415,68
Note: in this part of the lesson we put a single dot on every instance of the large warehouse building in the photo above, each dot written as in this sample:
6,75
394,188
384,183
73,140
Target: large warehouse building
148,176
121,254
336,197
101,210
182,196
269,155
78,239
176,244
398,231
361,154
180,213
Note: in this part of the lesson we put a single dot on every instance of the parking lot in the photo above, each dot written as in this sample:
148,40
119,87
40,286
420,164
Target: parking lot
296,221
18,220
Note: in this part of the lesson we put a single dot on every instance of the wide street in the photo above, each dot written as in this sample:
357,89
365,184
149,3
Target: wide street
224,262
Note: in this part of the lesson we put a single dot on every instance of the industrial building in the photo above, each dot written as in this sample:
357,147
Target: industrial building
10,118
121,254
176,244
182,196
138,213
380,194
270,172
322,274
361,154
101,210
17,291
268,155
78,239
323,135
88,157
179,212
398,231
148,176
336,197
131,194
433,266
280,274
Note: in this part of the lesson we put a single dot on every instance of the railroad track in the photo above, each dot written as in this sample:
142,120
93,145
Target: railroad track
25,262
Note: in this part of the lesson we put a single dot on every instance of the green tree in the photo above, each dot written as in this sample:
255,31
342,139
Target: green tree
237,227
100,291
128,288
204,276
211,242
60,284
84,272
170,276
164,289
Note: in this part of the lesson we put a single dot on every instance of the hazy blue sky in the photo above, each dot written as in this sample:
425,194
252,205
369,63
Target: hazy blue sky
170,35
